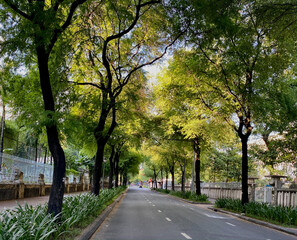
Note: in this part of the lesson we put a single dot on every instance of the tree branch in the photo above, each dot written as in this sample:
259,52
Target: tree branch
60,30
17,10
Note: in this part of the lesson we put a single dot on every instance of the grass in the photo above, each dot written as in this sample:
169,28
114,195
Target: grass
285,216
186,195
30,223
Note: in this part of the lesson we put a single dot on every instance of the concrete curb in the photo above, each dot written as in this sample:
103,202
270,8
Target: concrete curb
256,221
92,228
182,199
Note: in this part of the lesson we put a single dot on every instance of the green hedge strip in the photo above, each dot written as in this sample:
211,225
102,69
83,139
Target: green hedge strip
186,195
282,215
32,223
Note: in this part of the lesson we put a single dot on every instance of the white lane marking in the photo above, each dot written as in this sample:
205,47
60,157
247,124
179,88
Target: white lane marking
230,224
214,216
159,211
192,209
186,236
154,205
168,219
150,202
184,205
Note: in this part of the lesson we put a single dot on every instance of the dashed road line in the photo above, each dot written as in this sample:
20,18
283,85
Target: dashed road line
186,236
214,216
168,219
159,211
230,224
154,205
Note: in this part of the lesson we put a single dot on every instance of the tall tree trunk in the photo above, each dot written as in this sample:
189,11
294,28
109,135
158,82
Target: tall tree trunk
45,152
155,176
227,173
98,168
244,168
2,134
111,167
102,138
166,183
36,149
57,190
197,165
125,179
116,172
183,168
161,178
244,122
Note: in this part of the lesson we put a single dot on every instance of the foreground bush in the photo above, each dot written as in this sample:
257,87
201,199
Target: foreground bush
26,223
186,195
283,215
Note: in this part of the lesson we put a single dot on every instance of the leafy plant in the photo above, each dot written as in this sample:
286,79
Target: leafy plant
265,211
30,223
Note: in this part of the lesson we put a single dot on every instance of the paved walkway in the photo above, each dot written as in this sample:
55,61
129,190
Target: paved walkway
34,201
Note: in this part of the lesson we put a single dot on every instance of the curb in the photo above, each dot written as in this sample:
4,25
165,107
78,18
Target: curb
256,221
92,228
182,199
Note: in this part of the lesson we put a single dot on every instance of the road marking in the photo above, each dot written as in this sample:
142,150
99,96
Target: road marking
230,224
168,219
192,209
150,202
214,216
184,205
154,205
159,211
186,236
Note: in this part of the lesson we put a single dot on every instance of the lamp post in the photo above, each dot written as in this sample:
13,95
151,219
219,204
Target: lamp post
104,160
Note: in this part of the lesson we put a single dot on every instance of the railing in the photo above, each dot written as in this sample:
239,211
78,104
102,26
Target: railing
286,197
31,169
222,190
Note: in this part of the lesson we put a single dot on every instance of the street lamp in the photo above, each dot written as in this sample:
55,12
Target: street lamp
104,161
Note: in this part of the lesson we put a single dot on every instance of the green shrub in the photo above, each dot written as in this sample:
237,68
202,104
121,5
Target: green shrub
283,215
185,195
28,223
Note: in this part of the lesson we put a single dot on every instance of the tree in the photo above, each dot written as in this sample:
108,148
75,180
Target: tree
237,50
119,47
44,22
189,120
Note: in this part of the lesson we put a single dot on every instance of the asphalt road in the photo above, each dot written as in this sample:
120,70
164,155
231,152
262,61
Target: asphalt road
146,215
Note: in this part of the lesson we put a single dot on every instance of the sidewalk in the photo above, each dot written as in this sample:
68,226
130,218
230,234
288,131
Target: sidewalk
34,201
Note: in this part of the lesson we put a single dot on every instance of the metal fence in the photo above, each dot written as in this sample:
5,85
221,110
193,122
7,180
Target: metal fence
31,169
